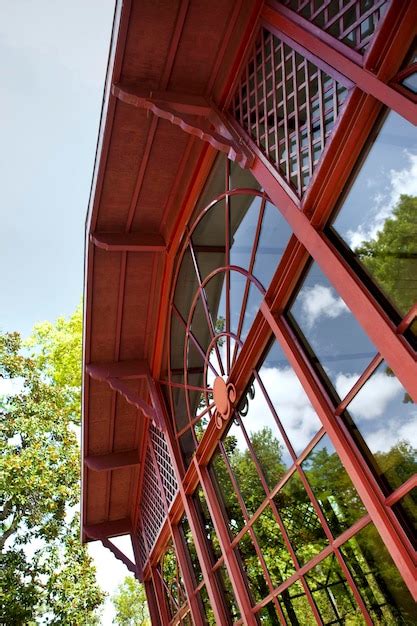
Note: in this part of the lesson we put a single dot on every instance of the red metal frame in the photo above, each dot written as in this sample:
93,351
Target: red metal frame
373,82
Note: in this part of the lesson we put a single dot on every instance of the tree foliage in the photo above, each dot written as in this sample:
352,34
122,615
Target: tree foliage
130,604
47,574
391,256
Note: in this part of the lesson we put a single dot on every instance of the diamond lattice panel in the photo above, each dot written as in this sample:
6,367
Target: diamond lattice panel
288,106
152,503
166,470
353,23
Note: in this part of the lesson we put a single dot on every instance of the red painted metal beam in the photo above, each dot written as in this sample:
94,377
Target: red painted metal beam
129,242
104,530
114,460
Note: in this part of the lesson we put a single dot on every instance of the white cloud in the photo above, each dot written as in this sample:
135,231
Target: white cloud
320,301
291,404
373,399
399,182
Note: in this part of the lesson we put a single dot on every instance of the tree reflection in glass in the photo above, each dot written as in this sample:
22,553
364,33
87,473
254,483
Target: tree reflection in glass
378,218
383,418
300,520
332,487
378,580
296,607
274,551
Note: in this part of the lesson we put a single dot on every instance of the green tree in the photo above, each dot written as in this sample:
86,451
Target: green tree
130,604
46,574
391,257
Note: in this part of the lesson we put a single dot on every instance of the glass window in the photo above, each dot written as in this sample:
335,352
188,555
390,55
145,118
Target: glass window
267,441
172,582
289,399
300,520
296,607
268,615
227,496
192,553
244,469
406,510
331,593
274,551
333,337
378,218
332,487
378,580
383,419
208,527
254,573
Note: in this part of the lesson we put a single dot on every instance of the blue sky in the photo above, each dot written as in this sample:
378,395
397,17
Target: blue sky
54,56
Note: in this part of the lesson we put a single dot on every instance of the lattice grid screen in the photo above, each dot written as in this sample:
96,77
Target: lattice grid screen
166,470
152,502
353,23
288,106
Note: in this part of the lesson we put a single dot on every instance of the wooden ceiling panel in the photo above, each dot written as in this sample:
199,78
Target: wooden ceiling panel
127,147
149,37
97,497
167,149
119,493
104,313
138,290
200,42
99,440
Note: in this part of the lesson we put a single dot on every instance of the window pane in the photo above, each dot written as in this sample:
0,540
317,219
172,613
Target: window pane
406,511
277,558
296,607
209,618
274,238
332,594
378,219
244,469
210,533
228,593
386,419
268,615
289,400
252,566
192,553
267,441
332,487
378,580
227,496
333,337
300,520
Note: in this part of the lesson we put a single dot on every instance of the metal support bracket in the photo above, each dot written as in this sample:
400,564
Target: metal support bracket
115,375
194,115
120,556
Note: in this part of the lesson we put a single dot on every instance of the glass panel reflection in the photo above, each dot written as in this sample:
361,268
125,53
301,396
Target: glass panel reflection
296,607
227,496
331,593
191,551
228,594
268,615
406,511
378,580
385,423
378,219
332,487
300,520
274,551
333,337
253,569
289,400
210,533
266,439
244,469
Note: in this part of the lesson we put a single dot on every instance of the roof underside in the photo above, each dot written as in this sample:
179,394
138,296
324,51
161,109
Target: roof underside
144,168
